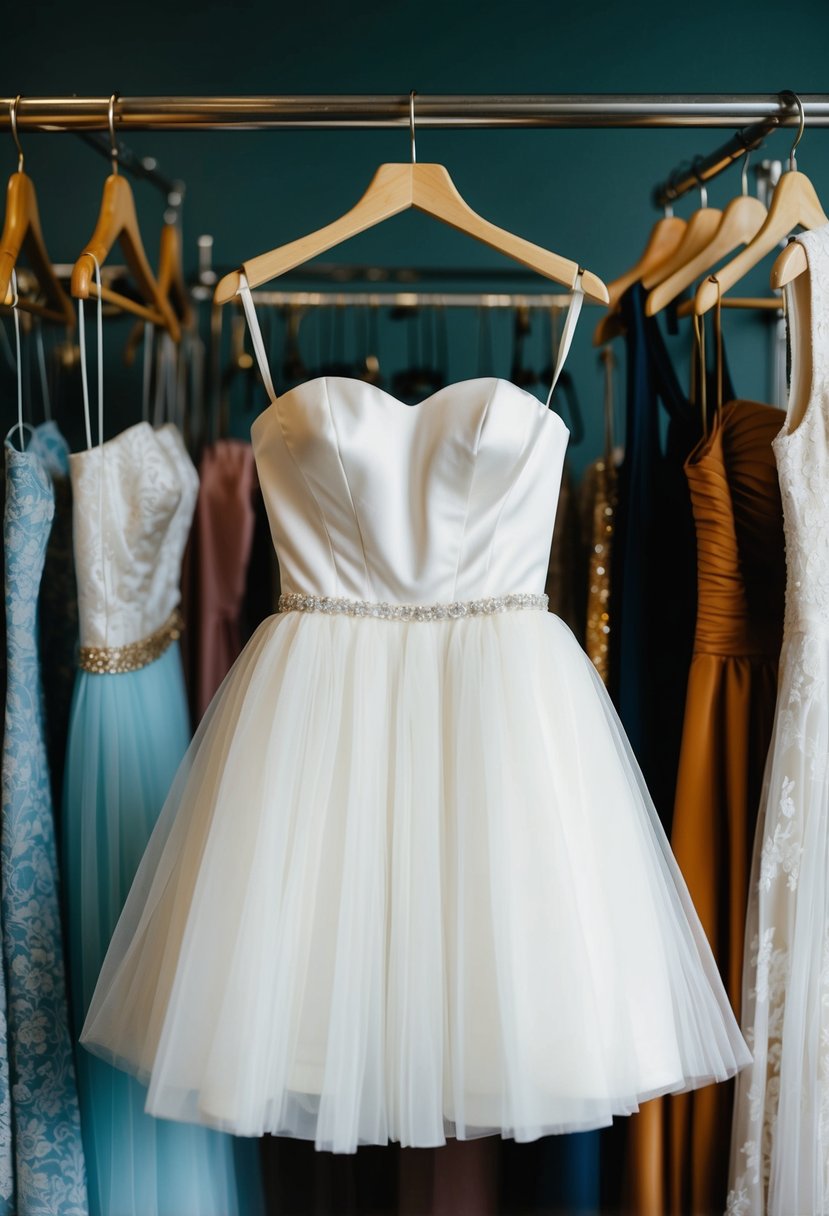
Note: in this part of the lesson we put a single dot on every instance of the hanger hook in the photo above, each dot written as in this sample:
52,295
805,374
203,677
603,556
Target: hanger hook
13,106
703,189
412,96
113,151
793,97
744,173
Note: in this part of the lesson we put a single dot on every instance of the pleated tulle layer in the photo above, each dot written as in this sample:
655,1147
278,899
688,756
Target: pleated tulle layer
780,1134
127,735
407,884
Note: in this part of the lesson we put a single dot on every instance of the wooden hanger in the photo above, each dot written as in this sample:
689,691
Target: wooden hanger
790,264
171,284
118,222
663,240
701,226
794,204
395,188
22,233
741,221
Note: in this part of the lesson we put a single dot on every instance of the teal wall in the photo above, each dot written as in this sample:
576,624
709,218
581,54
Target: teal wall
584,193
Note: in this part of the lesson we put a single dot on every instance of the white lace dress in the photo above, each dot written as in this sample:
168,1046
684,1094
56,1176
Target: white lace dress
780,1136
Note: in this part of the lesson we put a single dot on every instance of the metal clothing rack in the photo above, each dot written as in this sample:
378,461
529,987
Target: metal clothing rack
447,112
760,114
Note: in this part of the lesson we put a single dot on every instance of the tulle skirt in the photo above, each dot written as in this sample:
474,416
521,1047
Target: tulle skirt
409,884
127,735
780,1133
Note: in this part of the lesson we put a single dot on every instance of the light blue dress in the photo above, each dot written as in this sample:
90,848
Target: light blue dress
41,1154
133,502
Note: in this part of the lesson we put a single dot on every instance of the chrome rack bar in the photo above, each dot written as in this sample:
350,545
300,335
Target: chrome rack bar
324,112
704,168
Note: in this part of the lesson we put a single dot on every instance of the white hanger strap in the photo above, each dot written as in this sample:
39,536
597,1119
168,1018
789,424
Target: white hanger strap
84,381
576,301
256,336
15,301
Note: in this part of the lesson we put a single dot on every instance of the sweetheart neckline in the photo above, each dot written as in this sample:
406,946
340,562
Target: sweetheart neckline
496,381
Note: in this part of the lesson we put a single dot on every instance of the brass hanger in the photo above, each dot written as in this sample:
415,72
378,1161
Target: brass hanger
395,188
118,222
22,232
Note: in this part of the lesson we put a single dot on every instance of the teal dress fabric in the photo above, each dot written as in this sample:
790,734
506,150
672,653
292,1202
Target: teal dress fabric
127,734
41,1154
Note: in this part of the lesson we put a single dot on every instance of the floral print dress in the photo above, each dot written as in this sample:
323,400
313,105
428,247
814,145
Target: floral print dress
41,1156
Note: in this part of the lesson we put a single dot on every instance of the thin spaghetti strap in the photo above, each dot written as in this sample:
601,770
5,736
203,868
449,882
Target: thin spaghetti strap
256,337
576,301
84,381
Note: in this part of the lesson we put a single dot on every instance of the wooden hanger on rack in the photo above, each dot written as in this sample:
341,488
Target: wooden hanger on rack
171,284
118,222
701,226
794,204
395,188
741,221
22,233
663,240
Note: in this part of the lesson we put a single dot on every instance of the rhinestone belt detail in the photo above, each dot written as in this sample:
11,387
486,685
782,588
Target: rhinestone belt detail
115,660
336,605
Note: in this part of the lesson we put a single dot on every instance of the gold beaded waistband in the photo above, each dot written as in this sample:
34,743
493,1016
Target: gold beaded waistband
114,660
336,605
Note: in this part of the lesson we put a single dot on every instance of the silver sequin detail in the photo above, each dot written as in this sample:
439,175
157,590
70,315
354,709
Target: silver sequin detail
335,605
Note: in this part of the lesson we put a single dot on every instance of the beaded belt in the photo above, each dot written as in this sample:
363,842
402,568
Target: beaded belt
114,660
294,602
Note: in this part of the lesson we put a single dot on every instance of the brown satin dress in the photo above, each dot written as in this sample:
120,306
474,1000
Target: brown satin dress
679,1145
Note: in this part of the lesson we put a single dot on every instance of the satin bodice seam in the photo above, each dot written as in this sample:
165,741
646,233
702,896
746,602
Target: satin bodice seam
523,461
347,484
471,486
276,403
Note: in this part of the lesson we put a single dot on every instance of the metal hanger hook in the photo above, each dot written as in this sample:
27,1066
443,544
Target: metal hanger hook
412,96
13,105
703,189
112,140
792,159
744,173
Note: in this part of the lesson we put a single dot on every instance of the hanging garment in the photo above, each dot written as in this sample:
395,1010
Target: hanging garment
728,720
599,496
409,873
780,1135
134,499
653,613
562,584
41,1154
58,609
222,540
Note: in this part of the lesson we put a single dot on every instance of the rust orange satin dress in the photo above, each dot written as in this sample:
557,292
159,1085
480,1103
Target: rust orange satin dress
679,1146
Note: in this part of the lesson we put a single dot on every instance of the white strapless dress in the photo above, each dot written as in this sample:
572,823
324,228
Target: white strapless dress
408,882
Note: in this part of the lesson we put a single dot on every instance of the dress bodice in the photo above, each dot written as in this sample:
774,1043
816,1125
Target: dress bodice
134,498
802,447
371,499
739,527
